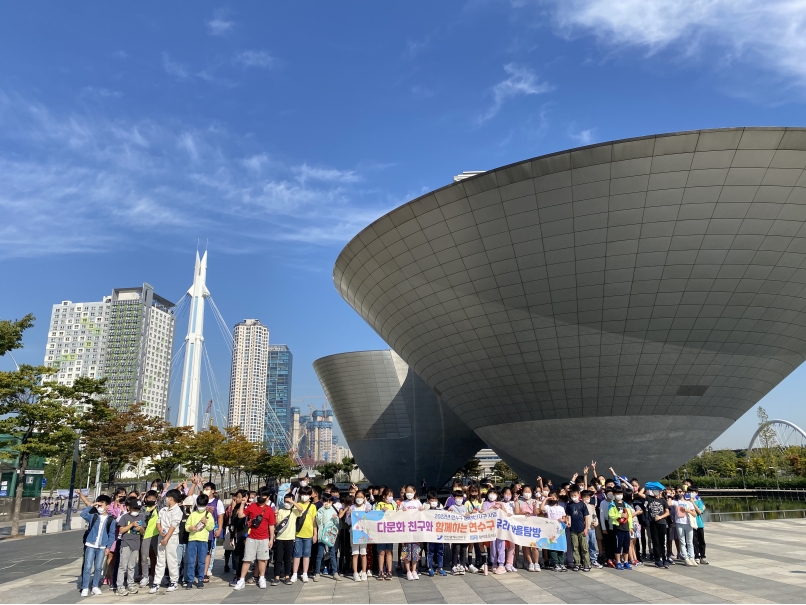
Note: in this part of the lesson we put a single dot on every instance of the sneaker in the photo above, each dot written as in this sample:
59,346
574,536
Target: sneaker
586,568
171,587
368,574
556,568
152,590
611,563
627,565
409,576
105,582
472,568
509,567
658,564
575,568
669,561
597,565
500,570
85,592
206,578
122,592
689,562
304,578
292,579
261,583
638,563
356,577
431,573
704,561
619,566
251,580
442,572
200,584
189,585
415,575
363,576
232,582
239,584
563,568
665,565
144,582
336,576
455,570
696,562
275,582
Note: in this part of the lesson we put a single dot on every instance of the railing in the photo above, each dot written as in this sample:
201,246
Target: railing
756,515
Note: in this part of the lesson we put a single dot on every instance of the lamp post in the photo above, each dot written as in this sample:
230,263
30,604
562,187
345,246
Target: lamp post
777,484
72,481
739,468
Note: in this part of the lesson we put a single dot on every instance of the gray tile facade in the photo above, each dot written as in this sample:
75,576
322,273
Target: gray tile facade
396,427
657,283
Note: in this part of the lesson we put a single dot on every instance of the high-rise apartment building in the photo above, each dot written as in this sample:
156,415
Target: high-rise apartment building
139,346
278,396
127,337
77,339
248,378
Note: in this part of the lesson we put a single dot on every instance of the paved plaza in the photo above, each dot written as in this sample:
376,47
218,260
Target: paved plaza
751,562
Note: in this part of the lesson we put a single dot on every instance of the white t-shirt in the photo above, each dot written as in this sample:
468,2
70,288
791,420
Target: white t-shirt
413,504
681,516
555,512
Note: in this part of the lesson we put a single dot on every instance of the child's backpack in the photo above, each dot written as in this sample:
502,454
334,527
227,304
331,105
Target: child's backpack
330,532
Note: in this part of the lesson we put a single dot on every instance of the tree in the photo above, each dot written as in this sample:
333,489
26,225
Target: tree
11,332
169,452
280,466
203,449
329,470
471,468
41,416
121,437
348,465
503,470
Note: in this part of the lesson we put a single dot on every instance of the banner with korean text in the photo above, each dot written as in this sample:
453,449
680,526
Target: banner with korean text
383,527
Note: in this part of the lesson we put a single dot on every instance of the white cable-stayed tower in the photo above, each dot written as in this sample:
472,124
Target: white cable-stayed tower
191,373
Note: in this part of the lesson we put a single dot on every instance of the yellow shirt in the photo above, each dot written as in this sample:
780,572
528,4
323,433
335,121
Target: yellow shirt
307,524
385,506
290,529
193,519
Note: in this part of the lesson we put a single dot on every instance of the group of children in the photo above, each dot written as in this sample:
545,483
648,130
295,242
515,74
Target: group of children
306,532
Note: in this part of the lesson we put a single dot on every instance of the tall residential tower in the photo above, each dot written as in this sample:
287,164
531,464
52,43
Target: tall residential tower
248,377
278,397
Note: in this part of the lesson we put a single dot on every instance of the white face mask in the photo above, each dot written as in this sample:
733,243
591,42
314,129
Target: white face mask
304,498
492,497
327,504
390,499
527,495
409,495
619,497
134,513
287,505
458,499
574,498
359,501
201,507
433,504
303,483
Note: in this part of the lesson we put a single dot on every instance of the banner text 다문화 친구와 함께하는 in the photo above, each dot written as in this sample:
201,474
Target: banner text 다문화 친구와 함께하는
383,527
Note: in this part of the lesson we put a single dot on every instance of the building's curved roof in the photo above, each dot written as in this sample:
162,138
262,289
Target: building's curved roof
648,277
395,425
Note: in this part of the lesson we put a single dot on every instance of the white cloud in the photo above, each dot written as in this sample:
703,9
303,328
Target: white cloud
83,183
100,93
770,34
255,58
582,137
521,81
173,68
219,26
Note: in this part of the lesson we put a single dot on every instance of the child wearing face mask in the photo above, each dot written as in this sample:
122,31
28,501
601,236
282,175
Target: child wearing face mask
386,502
620,516
508,506
305,513
198,524
359,550
131,527
411,551
579,520
284,535
496,548
435,551
260,521
526,505
552,509
116,509
459,550
327,529
99,538
148,547
475,504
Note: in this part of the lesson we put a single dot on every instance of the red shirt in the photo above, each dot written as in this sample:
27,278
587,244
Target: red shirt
262,531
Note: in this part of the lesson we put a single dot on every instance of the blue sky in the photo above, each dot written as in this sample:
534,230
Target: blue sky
276,131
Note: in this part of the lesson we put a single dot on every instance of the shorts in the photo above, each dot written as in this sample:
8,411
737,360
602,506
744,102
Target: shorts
411,552
302,548
383,547
359,549
256,549
622,542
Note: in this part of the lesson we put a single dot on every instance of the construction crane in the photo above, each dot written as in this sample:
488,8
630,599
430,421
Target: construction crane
206,422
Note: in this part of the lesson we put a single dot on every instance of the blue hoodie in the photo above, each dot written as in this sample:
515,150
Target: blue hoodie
91,516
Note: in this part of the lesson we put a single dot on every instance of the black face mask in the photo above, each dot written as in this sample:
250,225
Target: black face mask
151,502
552,503
261,499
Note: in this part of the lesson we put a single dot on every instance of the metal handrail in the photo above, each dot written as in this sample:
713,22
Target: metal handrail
801,512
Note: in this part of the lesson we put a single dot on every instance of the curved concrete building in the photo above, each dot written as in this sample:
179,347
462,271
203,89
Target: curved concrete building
397,428
625,302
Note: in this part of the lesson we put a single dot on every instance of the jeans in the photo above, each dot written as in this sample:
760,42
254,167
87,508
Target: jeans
181,550
685,535
437,550
194,561
593,547
579,543
92,556
320,555
211,550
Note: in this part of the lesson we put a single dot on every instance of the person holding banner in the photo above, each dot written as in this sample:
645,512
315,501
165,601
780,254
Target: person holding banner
459,550
553,510
496,548
359,550
525,505
435,550
386,503
411,551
